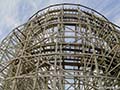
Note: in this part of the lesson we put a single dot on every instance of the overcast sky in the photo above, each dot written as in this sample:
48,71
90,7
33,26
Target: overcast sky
16,12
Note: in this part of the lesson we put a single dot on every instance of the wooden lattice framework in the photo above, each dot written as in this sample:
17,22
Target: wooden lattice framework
62,47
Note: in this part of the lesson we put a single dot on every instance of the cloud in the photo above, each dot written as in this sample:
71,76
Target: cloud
8,14
11,15
33,4
1,33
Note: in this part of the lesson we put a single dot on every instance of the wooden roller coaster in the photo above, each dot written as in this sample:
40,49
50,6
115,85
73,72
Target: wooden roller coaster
62,47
